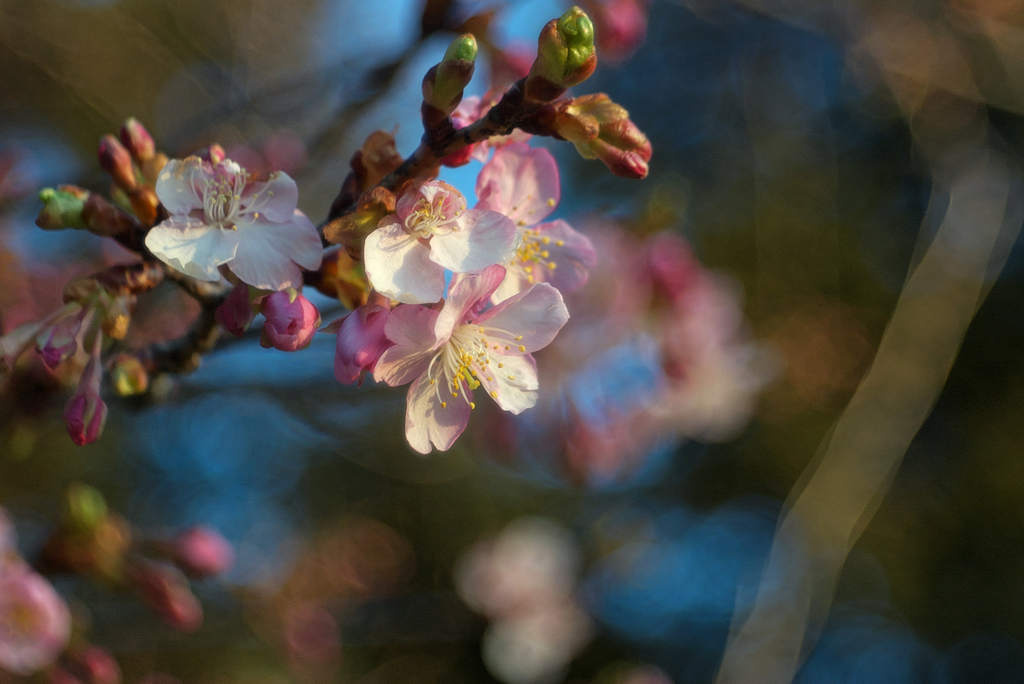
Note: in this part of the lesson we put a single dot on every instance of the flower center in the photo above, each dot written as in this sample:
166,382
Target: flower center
458,366
533,252
222,197
430,217
19,622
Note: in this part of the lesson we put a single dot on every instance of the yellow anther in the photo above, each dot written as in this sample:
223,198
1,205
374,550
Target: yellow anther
494,395
559,243
521,222
472,405
507,347
518,337
431,382
511,377
552,265
501,365
490,379
455,395
256,214
522,348
444,405
551,202
546,240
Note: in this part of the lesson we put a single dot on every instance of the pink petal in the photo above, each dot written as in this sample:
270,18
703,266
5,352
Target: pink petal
520,182
482,238
274,199
399,266
411,328
179,186
427,421
573,259
268,252
515,385
190,246
463,296
535,316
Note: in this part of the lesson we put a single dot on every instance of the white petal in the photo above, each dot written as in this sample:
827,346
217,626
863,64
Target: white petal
411,328
534,316
399,266
190,246
513,386
267,252
463,296
482,238
180,184
426,420
274,199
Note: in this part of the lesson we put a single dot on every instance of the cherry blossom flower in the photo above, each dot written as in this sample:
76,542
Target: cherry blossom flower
522,183
449,353
405,258
220,214
35,624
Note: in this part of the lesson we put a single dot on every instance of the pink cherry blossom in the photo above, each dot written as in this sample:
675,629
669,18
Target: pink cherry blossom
292,321
522,183
447,354
35,624
430,231
361,341
222,215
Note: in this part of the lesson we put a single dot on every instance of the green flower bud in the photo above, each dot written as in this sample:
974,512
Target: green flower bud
62,208
565,55
443,85
578,32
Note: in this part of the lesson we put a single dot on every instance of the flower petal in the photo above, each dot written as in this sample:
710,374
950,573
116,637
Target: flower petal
267,252
513,386
428,421
274,199
533,317
190,246
411,328
463,296
180,184
399,266
520,182
572,253
482,238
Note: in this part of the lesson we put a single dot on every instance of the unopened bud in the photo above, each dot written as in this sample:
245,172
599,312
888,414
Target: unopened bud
144,203
94,665
165,590
129,376
84,417
59,340
565,56
292,320
601,129
214,154
62,208
624,149
202,552
235,314
443,85
85,509
137,140
106,219
361,341
117,162
351,229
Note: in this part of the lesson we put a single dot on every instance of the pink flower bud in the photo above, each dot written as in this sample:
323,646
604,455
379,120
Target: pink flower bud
95,665
361,341
138,140
235,314
292,321
117,161
202,552
84,417
86,413
165,590
59,340
213,154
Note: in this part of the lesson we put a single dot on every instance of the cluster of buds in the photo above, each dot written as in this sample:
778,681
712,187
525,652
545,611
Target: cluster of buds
291,319
95,542
601,129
